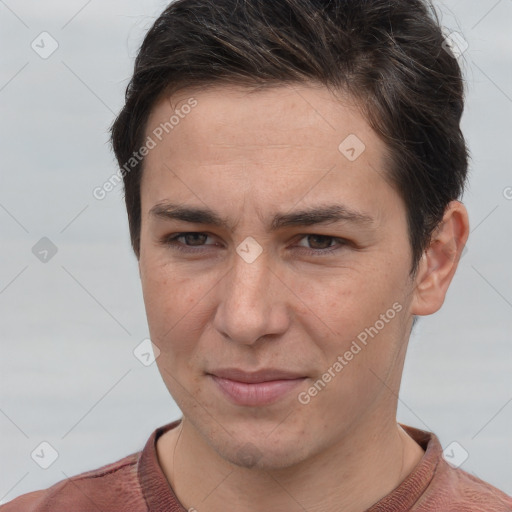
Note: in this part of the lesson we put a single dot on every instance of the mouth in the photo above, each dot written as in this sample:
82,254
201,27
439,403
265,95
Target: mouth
255,388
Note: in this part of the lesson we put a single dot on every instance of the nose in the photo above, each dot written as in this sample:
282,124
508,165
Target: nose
252,302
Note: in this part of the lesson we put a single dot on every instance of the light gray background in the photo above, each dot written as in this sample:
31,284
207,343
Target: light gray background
69,326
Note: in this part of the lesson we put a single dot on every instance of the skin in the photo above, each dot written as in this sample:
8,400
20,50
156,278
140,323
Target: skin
248,156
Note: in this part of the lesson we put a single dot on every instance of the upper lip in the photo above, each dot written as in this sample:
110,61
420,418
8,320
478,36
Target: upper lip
249,377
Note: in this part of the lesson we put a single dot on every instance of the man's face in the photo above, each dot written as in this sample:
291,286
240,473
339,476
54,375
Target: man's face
294,298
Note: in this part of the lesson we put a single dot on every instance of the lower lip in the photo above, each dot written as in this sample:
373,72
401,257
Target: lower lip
258,393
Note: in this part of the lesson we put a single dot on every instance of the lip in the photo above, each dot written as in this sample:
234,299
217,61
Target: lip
259,388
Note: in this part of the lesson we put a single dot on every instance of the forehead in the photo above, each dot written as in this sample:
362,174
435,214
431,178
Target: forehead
279,143
229,115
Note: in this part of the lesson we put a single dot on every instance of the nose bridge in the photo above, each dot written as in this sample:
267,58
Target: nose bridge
247,306
248,279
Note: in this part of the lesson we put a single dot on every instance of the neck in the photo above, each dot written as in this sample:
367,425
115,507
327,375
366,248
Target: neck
363,467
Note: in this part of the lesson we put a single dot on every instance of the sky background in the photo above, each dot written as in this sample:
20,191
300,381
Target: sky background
69,325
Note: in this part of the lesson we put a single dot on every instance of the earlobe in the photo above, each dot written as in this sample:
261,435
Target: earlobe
440,260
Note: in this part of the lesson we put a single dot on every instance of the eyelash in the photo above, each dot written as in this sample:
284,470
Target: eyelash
171,242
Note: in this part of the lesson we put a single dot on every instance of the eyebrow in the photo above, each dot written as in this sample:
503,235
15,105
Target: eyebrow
323,214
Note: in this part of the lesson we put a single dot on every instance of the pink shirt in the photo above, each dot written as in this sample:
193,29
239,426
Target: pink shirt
136,483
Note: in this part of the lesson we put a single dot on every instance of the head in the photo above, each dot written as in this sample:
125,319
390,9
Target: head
253,126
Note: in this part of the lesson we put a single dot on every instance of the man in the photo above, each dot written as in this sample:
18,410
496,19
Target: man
292,175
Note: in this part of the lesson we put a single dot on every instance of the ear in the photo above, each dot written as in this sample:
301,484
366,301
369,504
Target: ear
440,260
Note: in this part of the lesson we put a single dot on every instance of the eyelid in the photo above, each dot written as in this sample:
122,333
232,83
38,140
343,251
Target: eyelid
168,239
171,241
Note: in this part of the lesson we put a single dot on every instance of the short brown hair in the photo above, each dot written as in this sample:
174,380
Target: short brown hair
387,54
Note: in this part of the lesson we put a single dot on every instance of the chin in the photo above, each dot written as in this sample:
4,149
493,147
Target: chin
261,452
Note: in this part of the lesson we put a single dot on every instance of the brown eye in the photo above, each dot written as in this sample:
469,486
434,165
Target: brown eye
319,241
318,245
194,238
191,241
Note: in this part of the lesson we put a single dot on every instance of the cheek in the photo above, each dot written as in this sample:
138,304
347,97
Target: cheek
362,362
173,302
343,304
369,324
